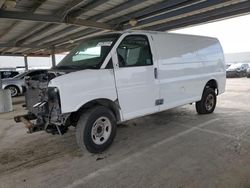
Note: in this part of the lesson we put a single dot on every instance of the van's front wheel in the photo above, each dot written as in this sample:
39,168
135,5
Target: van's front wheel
96,129
207,103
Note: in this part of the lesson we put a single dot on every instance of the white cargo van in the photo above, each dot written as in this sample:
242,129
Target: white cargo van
116,77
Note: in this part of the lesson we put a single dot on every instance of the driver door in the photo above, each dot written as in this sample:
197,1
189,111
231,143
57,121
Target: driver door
136,81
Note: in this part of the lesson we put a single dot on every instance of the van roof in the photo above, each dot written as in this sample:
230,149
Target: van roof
159,32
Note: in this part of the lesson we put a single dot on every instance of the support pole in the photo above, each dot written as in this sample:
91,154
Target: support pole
26,62
53,57
5,99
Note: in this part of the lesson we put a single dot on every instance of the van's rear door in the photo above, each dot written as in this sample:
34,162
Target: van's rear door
135,75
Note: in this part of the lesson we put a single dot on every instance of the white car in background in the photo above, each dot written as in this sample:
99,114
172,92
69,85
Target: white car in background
237,70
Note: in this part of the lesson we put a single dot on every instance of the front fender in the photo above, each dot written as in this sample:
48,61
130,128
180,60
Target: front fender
78,88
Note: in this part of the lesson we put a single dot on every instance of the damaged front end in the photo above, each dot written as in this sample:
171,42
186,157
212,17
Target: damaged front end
43,105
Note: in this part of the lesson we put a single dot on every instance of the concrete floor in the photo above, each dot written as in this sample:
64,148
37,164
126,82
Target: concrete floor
176,148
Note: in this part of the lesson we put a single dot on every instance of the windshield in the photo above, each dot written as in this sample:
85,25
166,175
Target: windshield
89,54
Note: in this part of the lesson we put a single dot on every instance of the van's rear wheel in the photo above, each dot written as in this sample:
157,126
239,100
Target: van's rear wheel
207,103
96,129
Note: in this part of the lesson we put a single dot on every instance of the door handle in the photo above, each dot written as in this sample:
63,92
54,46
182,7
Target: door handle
155,73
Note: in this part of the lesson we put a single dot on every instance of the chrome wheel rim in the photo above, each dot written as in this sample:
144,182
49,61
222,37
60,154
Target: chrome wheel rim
101,130
13,91
209,104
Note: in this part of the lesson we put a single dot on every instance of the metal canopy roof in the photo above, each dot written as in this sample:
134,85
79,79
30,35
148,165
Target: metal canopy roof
37,27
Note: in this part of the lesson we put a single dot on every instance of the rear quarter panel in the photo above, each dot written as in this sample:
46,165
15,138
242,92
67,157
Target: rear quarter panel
186,64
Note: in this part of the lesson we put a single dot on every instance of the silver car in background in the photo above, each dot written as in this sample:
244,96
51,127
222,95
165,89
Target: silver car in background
17,84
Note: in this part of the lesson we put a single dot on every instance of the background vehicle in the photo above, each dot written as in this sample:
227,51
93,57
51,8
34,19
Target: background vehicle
116,77
248,73
17,84
228,65
237,70
8,74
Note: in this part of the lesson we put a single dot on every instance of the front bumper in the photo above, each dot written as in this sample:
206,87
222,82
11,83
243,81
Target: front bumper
35,124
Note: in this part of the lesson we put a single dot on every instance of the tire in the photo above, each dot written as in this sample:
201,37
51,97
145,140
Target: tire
92,131
14,90
242,74
207,103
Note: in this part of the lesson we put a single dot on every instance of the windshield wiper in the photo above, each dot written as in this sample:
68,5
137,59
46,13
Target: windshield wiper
92,67
77,67
67,67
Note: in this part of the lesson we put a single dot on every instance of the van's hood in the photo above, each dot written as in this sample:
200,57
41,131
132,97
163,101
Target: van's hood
66,77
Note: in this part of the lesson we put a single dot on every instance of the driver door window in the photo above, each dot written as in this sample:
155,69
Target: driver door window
134,51
137,88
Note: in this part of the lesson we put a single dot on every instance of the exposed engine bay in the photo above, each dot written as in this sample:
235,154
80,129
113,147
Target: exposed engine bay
43,104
